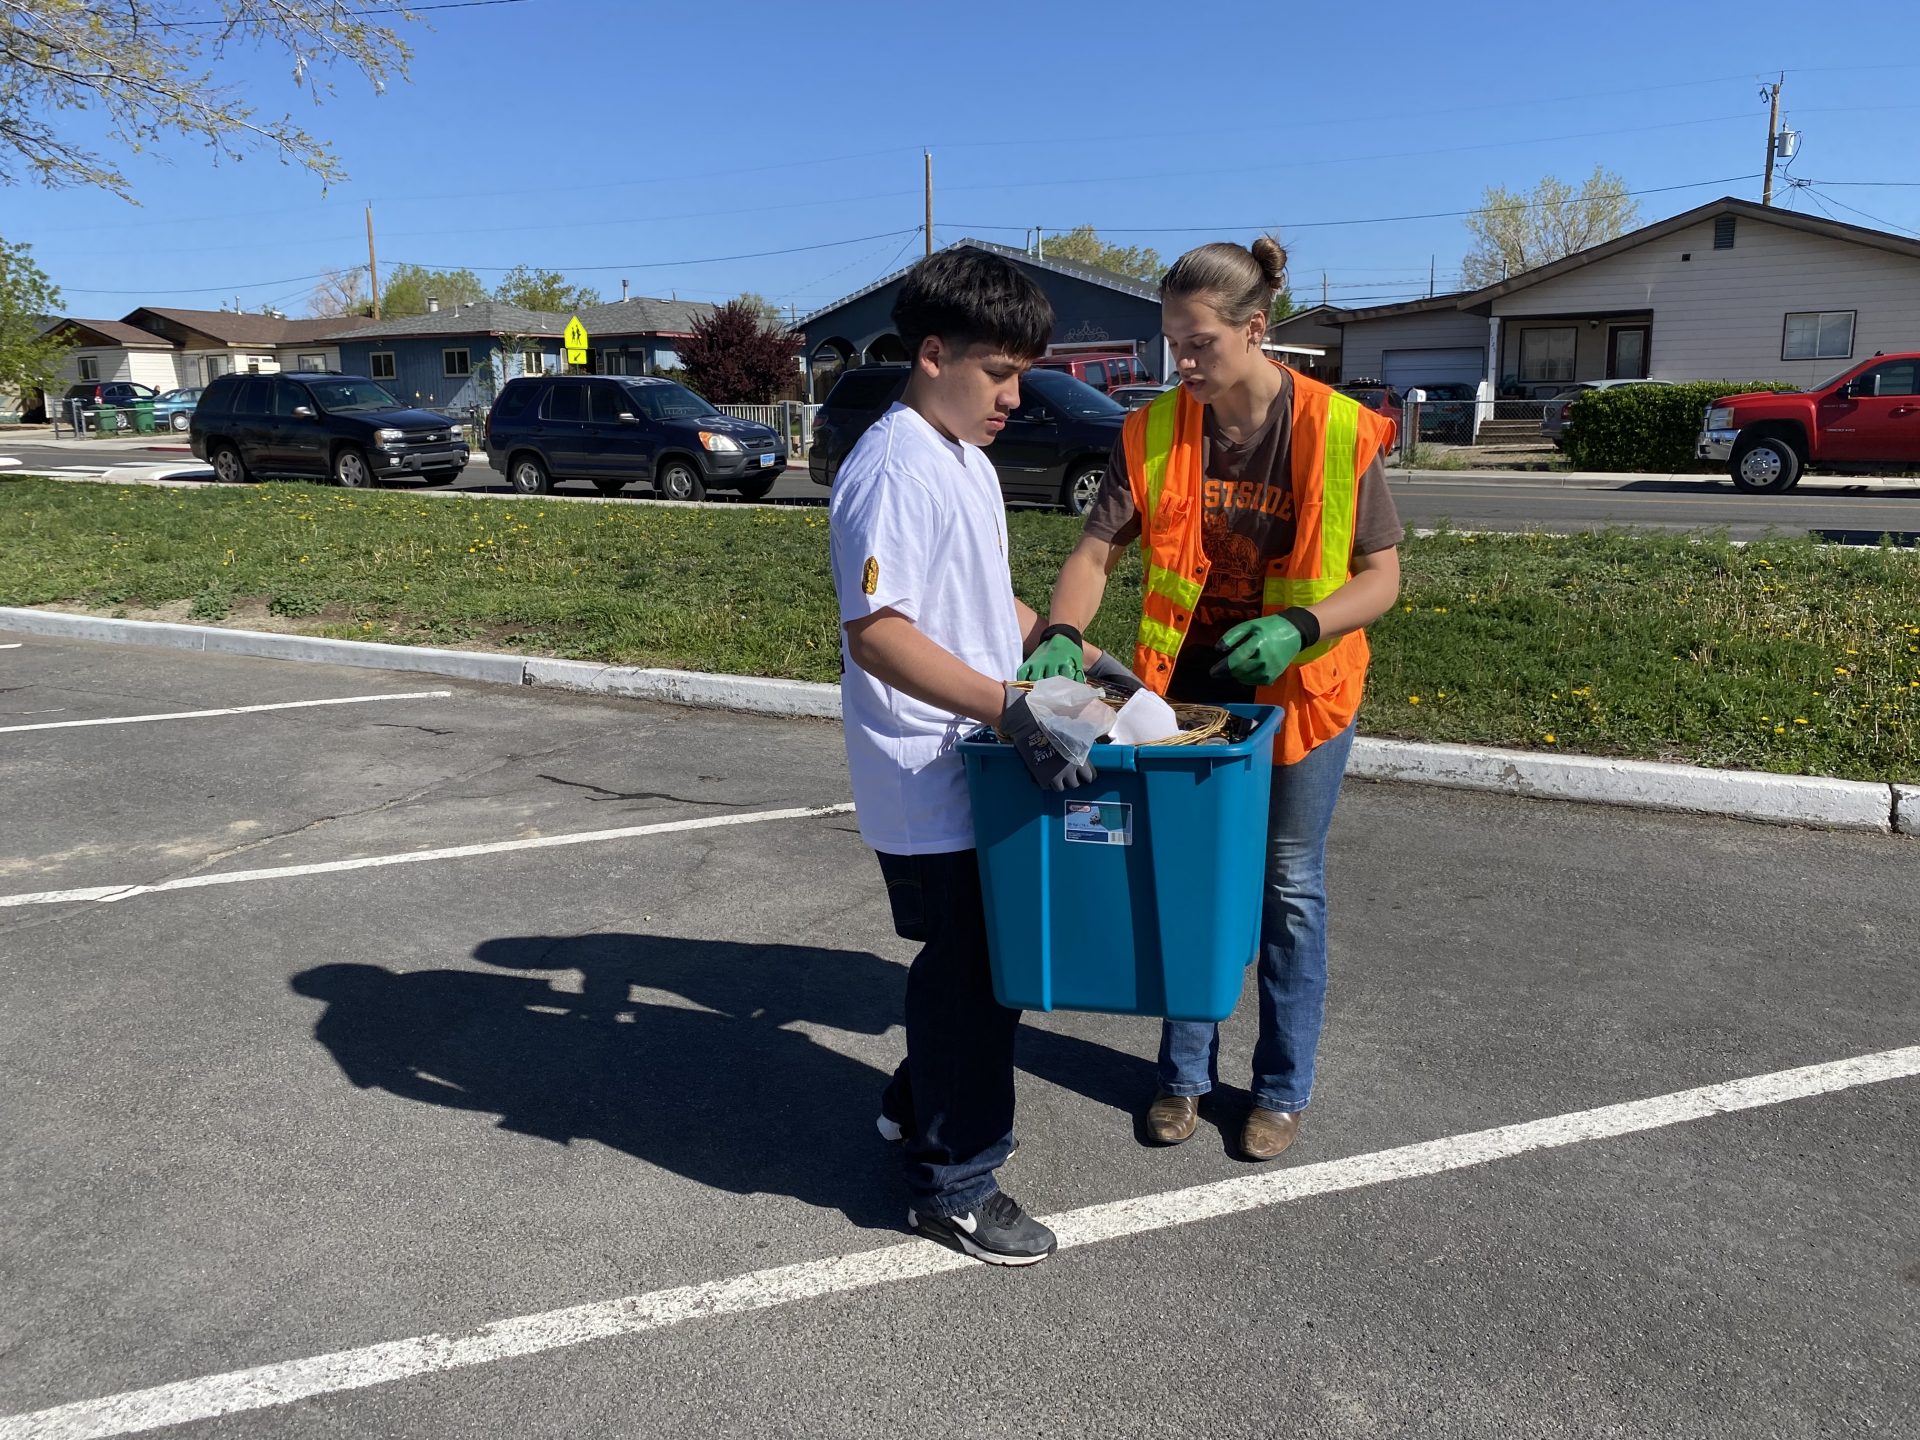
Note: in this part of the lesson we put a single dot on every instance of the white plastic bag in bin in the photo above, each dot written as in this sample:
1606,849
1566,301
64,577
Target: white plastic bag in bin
1073,715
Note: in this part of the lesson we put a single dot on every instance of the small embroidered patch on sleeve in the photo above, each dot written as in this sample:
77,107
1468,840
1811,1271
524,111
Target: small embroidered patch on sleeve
870,578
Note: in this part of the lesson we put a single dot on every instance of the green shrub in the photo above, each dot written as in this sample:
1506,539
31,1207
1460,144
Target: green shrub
1646,427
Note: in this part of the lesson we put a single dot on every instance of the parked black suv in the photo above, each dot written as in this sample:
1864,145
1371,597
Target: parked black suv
1053,451
613,429
318,425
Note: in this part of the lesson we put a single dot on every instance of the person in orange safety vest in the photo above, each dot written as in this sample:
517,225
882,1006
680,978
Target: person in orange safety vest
1269,540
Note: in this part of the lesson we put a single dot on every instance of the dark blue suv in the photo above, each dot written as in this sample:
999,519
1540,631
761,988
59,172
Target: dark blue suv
616,429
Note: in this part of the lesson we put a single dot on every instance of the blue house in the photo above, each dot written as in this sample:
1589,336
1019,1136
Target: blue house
1090,306
456,357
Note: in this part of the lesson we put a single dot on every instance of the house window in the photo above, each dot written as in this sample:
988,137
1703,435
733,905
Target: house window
456,362
89,367
312,362
1547,354
533,362
216,366
380,365
1818,335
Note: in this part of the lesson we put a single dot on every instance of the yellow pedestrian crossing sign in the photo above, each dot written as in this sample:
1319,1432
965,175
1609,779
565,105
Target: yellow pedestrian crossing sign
576,337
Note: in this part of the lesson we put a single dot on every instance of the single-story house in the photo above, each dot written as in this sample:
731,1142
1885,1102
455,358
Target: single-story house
1731,290
456,357
168,348
1089,305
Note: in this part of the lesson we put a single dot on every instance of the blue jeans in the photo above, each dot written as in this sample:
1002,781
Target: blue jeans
1293,946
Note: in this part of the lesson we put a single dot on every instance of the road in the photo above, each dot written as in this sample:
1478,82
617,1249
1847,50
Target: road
488,1061
1840,509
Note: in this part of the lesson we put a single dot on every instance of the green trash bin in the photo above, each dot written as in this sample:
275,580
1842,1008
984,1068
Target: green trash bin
142,411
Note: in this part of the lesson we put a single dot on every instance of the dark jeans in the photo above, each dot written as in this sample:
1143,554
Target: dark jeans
953,1093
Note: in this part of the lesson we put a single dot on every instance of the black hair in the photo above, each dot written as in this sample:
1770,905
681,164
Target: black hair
968,297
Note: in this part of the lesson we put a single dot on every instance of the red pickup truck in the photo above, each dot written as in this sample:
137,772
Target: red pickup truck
1866,418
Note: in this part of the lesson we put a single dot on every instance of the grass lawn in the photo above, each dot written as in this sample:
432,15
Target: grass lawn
1779,655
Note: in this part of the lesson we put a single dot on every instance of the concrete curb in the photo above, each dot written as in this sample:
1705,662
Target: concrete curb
1906,809
790,699
1639,784
1636,784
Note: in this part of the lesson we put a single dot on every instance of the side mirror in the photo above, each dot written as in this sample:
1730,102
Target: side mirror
303,412
627,417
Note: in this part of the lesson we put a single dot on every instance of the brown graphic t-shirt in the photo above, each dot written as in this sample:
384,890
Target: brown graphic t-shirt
1248,521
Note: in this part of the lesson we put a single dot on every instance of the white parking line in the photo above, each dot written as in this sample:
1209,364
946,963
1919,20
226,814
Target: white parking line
110,893
14,646
266,1386
229,710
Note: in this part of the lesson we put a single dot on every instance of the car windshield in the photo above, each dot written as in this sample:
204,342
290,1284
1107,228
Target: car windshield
670,402
337,395
1833,379
1076,397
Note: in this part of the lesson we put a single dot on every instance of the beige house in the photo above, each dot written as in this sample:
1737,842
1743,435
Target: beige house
168,348
1729,291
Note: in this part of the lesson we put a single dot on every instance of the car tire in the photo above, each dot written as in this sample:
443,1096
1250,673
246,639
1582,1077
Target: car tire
528,475
350,469
1768,465
757,489
181,420
1081,486
228,467
677,479
610,486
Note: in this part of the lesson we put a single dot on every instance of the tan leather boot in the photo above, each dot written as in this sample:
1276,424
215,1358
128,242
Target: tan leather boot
1268,1132
1172,1118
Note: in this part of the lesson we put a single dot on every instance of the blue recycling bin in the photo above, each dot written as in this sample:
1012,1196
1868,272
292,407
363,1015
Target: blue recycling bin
1139,894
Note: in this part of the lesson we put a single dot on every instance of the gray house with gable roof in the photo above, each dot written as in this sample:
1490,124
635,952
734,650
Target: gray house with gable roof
1090,306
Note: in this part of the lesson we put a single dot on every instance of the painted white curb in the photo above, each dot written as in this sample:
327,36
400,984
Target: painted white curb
366,654
1906,809
1637,784
1745,794
792,699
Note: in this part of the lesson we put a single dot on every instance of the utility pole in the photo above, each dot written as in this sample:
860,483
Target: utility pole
1431,260
1323,287
373,264
1771,93
928,156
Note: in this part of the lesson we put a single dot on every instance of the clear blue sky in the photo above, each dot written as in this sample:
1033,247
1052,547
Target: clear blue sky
631,136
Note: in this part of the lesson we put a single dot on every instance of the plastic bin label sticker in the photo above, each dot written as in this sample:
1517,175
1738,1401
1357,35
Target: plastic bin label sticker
1099,823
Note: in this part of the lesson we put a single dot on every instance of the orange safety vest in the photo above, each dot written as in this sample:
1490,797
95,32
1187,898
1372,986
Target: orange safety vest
1334,441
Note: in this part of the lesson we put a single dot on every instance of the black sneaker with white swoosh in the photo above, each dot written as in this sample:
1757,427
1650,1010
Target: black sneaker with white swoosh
996,1230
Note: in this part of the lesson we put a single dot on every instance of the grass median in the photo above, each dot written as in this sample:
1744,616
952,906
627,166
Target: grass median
1778,655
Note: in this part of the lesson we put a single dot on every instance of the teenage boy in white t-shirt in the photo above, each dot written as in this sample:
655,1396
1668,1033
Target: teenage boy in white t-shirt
931,634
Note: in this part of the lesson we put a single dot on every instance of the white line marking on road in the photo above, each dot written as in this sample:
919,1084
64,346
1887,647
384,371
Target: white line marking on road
265,1386
14,646
229,710
110,893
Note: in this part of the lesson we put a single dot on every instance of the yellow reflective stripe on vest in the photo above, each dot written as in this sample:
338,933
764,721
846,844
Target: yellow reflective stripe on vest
1184,593
1161,639
1159,447
1338,486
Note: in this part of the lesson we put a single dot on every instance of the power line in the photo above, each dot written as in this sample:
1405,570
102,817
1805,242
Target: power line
1369,220
376,10
1807,185
672,264
224,288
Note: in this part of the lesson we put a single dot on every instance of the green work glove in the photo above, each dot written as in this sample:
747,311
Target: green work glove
1059,653
1259,651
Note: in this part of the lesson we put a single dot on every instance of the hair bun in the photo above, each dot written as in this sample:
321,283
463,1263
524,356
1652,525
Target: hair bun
1272,256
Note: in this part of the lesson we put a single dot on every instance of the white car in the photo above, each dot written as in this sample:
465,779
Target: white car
1553,415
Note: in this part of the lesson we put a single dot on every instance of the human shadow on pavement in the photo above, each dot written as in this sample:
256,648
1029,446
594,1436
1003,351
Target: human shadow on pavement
710,1084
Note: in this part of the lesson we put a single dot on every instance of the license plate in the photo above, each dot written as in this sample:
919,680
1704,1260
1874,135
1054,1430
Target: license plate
767,459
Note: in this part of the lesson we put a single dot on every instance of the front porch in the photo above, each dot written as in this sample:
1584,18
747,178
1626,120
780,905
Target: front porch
1542,355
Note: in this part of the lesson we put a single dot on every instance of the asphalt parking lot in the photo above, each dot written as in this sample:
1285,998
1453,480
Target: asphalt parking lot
447,1060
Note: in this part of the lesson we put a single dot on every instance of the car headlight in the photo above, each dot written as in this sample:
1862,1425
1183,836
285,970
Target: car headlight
719,444
1720,417
389,437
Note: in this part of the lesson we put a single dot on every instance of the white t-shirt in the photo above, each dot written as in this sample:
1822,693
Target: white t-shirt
918,526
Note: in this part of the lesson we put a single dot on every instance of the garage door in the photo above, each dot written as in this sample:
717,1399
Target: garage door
1405,368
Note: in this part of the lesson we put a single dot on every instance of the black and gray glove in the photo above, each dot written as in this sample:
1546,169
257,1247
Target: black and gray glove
1050,769
1111,672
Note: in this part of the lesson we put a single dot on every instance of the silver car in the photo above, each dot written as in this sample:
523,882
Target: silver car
1553,415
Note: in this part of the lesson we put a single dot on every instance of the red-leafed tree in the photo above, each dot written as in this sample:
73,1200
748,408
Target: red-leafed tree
735,358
